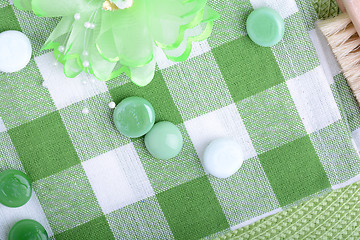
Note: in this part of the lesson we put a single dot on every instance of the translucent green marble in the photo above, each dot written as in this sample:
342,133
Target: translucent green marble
265,27
15,188
134,117
28,229
164,141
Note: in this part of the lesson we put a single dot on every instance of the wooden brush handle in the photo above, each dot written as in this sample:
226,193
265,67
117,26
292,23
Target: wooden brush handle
341,6
352,7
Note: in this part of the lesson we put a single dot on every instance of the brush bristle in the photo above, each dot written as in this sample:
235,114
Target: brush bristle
345,43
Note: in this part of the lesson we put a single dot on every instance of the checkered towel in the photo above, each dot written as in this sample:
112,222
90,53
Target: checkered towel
287,106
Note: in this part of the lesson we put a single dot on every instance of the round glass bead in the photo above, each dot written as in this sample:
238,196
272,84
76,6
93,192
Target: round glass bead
265,27
223,157
15,188
164,141
134,117
15,51
28,229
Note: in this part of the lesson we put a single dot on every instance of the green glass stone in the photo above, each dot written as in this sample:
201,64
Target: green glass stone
265,27
164,141
15,188
134,117
28,229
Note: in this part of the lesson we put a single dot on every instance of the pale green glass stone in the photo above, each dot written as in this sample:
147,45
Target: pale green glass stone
265,27
134,117
164,141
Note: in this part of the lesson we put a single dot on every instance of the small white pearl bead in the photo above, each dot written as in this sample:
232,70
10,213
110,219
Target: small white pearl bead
112,105
85,111
87,25
77,16
84,82
92,25
61,48
55,63
85,53
86,64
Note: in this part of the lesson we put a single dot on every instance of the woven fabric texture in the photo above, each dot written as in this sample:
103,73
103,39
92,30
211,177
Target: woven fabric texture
331,216
282,104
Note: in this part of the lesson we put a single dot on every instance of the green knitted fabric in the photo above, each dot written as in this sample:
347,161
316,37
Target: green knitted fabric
326,8
331,216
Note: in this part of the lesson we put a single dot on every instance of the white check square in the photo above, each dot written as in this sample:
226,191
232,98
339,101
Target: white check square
66,91
314,100
118,178
225,122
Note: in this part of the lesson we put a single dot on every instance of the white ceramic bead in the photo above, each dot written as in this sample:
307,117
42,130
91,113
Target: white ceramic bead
87,25
86,64
223,157
77,16
112,105
15,49
61,48
122,4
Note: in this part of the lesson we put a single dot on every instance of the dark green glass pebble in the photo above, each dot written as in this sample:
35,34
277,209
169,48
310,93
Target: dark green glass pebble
15,188
28,229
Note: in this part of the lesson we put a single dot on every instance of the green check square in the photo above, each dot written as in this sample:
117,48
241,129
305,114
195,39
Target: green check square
156,93
22,96
271,118
9,158
44,146
295,53
94,133
192,210
246,194
140,220
232,22
346,102
294,171
336,152
8,20
165,174
37,29
197,86
67,199
247,68
93,230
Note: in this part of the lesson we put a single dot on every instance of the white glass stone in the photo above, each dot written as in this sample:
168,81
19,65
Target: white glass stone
15,49
223,157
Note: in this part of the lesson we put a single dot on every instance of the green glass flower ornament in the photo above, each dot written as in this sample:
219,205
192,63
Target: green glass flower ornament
107,38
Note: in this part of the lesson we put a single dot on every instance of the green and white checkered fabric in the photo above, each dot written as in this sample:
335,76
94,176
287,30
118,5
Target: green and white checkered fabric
291,110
